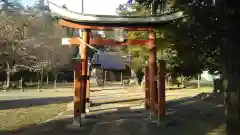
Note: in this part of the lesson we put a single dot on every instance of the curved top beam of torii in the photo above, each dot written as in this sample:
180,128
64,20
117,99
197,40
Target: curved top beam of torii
113,21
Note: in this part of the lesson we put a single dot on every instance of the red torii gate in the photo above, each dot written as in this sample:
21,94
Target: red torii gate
156,99
154,92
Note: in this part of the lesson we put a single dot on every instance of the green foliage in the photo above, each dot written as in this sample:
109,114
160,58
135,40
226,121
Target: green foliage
140,54
188,46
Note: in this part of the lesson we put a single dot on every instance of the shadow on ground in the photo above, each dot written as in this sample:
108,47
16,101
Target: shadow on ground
23,103
193,87
118,101
187,116
69,87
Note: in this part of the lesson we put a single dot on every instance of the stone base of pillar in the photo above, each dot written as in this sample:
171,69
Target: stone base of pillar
87,107
83,118
162,121
78,122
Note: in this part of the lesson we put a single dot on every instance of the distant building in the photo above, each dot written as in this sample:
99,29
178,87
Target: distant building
111,62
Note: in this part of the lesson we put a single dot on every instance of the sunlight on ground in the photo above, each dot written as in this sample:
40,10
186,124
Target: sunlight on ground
218,131
12,119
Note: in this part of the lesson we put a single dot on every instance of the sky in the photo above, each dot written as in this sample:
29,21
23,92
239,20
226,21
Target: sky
100,7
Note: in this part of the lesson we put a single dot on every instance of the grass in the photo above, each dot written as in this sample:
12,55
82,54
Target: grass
14,119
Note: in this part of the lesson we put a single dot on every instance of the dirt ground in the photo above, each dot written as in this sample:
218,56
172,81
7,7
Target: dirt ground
189,112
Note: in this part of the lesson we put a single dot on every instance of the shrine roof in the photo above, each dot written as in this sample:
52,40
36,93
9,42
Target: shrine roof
114,21
109,61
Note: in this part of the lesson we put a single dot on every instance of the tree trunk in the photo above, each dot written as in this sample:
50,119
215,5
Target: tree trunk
31,81
21,84
38,82
47,79
168,83
55,81
231,86
41,77
198,81
182,85
230,56
8,72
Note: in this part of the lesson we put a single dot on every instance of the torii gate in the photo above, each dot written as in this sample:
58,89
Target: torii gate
154,92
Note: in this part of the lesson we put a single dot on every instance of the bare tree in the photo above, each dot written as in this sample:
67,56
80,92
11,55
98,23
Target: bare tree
32,41
46,37
14,56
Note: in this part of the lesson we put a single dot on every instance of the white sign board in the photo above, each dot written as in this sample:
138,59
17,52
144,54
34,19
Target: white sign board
80,33
120,34
65,41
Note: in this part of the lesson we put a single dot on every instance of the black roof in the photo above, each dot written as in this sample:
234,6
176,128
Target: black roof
109,61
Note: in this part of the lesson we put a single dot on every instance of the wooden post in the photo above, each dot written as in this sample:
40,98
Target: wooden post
161,89
146,88
105,77
77,93
152,73
85,37
88,90
122,79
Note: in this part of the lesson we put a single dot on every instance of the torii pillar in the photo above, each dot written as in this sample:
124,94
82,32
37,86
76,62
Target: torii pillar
153,73
85,72
81,81
77,101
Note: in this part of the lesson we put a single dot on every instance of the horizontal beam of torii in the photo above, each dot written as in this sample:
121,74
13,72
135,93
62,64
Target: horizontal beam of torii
102,41
106,28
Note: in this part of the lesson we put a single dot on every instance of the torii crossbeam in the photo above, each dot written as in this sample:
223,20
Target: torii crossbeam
155,95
